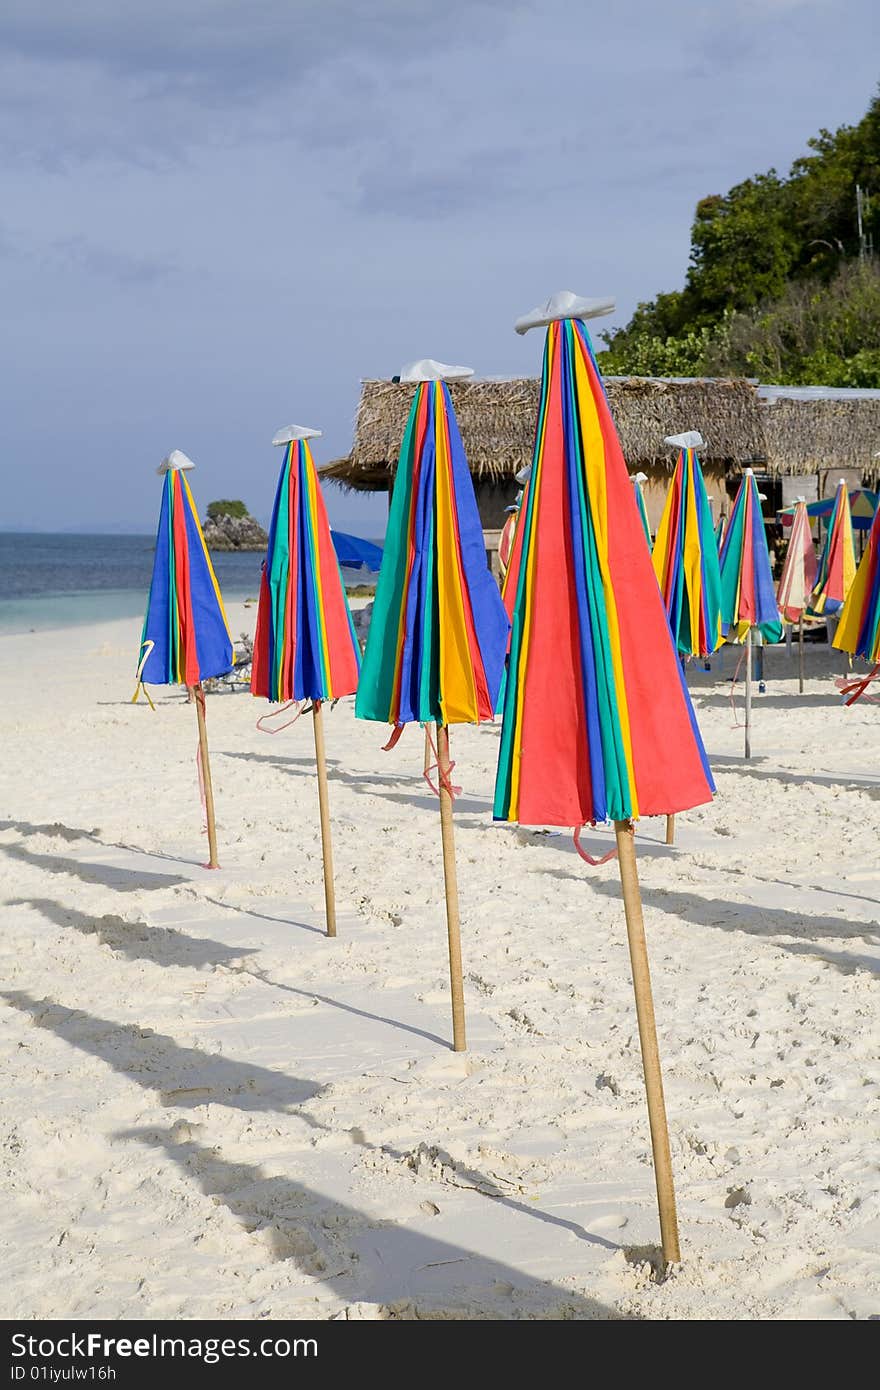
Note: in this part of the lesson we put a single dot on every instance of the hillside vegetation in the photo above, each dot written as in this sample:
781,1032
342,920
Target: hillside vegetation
779,285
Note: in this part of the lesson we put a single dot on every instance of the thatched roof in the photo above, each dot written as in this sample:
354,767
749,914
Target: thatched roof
497,422
811,430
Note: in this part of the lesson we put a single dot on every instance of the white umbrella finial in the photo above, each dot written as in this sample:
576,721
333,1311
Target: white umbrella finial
292,432
690,439
563,305
427,369
177,459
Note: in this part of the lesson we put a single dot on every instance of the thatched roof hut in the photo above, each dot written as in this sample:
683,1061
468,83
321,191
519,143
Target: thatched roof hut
820,429
497,423
792,431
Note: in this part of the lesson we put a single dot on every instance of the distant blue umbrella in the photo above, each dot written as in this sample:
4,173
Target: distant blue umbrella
354,553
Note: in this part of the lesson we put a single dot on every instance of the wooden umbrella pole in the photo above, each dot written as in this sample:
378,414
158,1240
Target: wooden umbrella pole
198,692
749,693
324,804
453,923
641,974
801,655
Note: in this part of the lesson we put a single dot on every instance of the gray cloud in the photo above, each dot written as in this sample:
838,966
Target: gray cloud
220,214
233,46
79,255
438,190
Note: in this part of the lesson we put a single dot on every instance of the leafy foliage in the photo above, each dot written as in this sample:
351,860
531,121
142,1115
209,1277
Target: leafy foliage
775,287
216,510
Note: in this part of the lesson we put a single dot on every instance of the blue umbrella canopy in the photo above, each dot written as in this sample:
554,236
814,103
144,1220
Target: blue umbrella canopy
354,553
862,502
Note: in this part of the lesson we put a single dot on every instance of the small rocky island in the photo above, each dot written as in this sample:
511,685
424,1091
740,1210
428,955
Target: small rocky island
230,526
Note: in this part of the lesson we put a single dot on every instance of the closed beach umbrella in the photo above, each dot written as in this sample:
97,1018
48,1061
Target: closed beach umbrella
598,723
438,633
747,596
858,631
837,563
637,479
505,540
305,647
686,556
798,577
685,560
748,600
185,637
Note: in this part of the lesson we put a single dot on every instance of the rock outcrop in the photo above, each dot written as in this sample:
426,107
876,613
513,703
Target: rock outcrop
234,533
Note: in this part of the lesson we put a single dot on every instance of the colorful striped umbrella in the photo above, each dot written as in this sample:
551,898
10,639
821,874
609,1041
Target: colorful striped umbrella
438,632
858,631
305,646
686,558
747,596
798,578
637,479
720,528
597,720
505,540
799,569
185,637
748,600
837,563
598,723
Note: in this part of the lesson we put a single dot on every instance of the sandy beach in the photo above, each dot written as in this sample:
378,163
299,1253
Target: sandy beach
210,1110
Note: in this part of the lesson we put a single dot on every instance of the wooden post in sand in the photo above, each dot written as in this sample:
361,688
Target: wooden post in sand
749,693
638,954
453,924
324,804
670,829
199,695
801,655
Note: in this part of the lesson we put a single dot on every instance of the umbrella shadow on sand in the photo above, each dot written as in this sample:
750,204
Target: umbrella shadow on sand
108,875
592,842
266,979
777,698
262,916
305,767
851,783
138,940
754,920
58,831
187,1077
182,1076
367,783
362,1258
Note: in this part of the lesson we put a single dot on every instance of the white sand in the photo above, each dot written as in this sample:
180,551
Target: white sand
211,1110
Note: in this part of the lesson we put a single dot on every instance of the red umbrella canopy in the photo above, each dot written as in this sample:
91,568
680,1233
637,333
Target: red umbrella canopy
598,723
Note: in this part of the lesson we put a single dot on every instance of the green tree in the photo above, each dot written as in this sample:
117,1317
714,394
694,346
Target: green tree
225,508
775,286
815,333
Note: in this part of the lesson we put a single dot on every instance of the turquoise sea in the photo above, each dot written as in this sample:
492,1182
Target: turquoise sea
52,581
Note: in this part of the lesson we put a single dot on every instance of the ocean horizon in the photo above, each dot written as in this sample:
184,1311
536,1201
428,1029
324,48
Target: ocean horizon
67,579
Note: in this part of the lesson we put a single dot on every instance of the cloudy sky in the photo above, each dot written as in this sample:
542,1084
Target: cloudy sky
218,215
